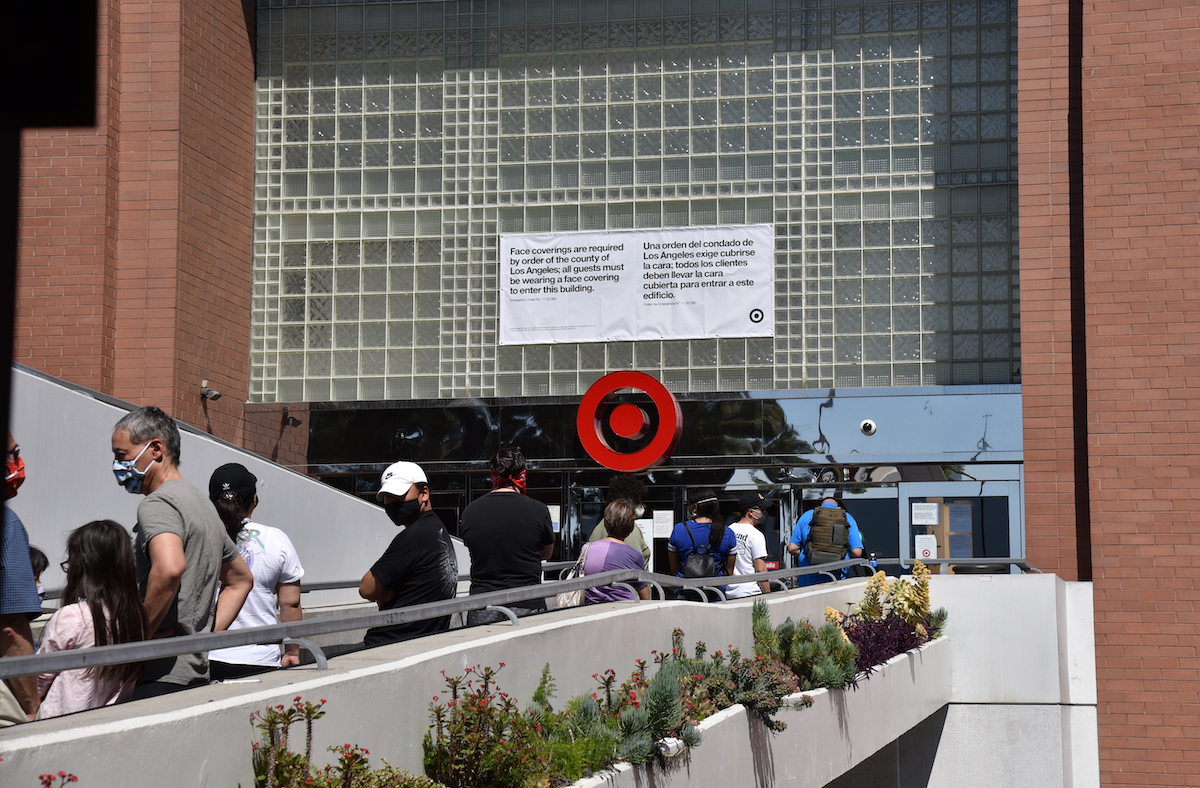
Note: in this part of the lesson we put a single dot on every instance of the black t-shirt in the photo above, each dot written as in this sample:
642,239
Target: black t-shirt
505,532
418,566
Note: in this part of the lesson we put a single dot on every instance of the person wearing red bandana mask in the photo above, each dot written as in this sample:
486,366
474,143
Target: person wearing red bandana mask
19,602
508,535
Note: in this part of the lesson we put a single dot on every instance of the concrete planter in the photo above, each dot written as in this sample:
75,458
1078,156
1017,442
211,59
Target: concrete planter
841,730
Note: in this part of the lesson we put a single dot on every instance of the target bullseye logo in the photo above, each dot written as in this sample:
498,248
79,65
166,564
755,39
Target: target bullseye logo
756,315
628,421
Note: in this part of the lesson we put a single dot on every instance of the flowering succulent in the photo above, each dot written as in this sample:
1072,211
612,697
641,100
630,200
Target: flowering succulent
871,606
479,737
63,778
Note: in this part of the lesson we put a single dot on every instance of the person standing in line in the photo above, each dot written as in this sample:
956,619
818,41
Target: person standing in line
751,550
272,560
19,602
705,529
418,566
614,552
508,535
798,544
632,489
101,606
182,551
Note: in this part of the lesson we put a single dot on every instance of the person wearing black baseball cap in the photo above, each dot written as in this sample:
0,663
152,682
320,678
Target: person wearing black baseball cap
276,568
751,551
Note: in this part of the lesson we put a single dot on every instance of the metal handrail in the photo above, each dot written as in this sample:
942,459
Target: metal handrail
338,585
141,651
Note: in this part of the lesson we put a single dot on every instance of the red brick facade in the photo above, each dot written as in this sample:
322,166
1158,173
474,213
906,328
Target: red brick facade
135,239
1141,214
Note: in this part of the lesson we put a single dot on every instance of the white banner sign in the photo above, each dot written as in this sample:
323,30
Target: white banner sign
620,285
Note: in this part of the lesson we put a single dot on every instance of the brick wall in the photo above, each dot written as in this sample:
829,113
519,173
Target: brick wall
66,297
135,237
216,155
1142,216
1141,211
1045,288
268,434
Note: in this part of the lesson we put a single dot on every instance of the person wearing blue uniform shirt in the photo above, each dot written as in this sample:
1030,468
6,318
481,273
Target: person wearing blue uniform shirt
800,536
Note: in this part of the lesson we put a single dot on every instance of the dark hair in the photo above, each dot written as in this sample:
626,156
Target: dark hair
706,504
618,518
626,486
38,560
232,488
146,424
508,462
101,573
232,510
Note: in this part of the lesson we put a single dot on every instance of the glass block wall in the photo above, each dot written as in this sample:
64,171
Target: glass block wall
396,141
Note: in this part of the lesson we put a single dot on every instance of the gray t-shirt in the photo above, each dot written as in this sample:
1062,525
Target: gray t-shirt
179,508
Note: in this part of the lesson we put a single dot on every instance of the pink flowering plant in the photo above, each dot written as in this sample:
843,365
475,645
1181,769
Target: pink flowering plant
479,738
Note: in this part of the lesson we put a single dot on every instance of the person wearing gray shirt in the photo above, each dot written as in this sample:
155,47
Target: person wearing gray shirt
183,553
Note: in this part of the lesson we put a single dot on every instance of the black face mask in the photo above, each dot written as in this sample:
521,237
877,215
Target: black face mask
403,512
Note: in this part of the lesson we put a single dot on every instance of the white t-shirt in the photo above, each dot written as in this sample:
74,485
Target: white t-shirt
751,544
272,560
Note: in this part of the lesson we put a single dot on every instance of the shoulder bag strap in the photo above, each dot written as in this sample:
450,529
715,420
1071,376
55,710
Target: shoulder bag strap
577,570
689,533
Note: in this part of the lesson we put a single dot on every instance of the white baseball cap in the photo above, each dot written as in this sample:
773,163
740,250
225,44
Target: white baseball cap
399,477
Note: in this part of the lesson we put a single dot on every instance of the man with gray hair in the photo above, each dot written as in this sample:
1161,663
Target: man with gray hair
181,547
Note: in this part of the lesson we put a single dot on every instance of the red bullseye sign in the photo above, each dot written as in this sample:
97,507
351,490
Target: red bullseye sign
629,421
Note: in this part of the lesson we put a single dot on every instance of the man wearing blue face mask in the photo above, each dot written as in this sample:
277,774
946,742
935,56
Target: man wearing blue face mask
182,550
419,565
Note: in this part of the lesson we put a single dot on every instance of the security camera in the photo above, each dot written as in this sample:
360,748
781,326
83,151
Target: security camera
868,427
209,393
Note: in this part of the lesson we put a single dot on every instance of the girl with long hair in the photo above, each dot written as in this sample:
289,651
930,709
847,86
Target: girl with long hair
101,607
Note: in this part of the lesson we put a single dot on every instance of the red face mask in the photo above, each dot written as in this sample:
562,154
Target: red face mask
14,477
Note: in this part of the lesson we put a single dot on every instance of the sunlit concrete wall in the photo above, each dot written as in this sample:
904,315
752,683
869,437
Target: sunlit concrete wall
1019,653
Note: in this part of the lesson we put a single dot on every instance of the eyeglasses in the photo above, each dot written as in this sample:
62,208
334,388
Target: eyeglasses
14,454
63,566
